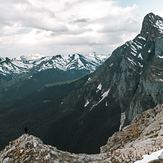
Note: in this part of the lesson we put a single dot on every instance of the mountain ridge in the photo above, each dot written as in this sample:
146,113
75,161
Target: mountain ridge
41,63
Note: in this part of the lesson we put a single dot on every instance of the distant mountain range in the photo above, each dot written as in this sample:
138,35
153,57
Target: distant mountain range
80,115
37,63
28,73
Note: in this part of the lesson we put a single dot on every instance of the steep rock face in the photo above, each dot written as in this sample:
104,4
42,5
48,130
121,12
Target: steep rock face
149,92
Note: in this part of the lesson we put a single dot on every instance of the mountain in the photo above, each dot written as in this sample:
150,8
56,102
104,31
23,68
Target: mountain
23,75
40,63
94,107
139,142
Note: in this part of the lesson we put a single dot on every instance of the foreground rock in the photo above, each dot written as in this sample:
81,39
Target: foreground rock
29,149
143,136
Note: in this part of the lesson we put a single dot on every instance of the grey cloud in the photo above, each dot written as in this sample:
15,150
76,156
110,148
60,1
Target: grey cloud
15,1
20,17
121,26
42,10
70,31
81,20
31,17
76,2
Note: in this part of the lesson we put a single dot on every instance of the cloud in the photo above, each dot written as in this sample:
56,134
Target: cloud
65,24
81,21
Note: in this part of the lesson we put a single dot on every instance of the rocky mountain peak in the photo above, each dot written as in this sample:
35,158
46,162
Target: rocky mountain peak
151,17
152,26
57,56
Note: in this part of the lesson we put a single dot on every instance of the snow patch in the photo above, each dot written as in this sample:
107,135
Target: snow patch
151,157
104,95
99,87
141,37
122,121
140,56
133,53
132,62
86,103
159,24
89,79
141,65
111,64
161,57
149,51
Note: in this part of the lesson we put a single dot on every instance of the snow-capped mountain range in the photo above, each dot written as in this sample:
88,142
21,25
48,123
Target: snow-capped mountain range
38,62
32,72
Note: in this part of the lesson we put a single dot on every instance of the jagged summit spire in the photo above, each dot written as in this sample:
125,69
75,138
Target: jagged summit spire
151,15
152,24
152,18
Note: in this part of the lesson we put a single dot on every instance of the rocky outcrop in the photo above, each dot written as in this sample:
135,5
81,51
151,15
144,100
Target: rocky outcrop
30,149
143,136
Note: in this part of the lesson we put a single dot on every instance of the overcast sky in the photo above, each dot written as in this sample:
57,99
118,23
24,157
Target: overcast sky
51,27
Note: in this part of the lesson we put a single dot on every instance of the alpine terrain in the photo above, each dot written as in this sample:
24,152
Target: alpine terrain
89,110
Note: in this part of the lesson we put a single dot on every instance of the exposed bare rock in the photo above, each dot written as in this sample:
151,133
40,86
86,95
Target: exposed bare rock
29,149
143,136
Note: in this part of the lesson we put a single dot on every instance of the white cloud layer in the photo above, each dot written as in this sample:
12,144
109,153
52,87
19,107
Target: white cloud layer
65,26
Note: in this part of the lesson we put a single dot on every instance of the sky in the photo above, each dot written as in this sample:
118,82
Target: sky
51,27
